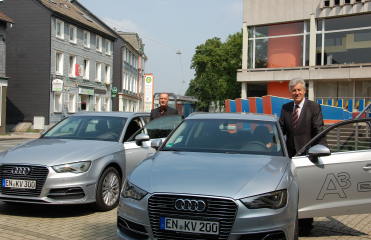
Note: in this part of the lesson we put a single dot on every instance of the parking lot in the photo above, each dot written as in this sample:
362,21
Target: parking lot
29,221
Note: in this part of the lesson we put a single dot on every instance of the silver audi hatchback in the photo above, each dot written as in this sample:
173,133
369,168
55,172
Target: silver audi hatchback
82,159
228,176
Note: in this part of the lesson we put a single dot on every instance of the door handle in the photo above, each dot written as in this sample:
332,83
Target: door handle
367,168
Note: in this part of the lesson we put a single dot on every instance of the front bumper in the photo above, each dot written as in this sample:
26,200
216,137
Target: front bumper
51,187
266,224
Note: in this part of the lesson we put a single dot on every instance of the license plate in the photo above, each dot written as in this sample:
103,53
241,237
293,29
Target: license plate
22,184
191,226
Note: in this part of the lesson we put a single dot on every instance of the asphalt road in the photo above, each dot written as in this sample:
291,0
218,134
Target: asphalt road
40,222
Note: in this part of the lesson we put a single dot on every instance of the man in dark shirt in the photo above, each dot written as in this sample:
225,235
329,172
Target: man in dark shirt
164,109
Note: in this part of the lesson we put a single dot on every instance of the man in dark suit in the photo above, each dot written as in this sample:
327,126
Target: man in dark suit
300,121
164,109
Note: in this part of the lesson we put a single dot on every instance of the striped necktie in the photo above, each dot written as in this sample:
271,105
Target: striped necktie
295,116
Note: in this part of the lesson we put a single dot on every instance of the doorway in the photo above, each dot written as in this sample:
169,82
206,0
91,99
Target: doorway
85,102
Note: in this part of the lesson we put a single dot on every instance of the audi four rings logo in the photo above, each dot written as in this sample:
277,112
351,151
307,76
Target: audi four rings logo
21,170
190,205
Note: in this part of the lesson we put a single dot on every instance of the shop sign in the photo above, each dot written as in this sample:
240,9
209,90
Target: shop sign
114,92
78,69
87,91
57,85
148,92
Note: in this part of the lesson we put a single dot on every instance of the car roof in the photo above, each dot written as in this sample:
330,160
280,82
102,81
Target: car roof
243,116
113,114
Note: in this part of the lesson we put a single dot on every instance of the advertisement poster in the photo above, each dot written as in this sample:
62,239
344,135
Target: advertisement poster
148,92
57,85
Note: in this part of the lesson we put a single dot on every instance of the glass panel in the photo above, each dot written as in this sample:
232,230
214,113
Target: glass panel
279,29
88,128
348,22
319,49
71,34
307,25
261,53
251,52
363,90
348,47
85,39
250,32
307,43
160,127
319,25
58,28
226,136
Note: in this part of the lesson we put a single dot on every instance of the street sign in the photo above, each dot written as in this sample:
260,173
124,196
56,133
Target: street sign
114,92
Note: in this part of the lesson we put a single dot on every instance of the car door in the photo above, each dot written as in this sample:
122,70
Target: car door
338,184
158,128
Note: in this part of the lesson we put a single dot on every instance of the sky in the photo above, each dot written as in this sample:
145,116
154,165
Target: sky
167,26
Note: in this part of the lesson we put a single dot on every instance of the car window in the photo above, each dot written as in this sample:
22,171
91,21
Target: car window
134,125
345,136
88,128
226,136
160,127
147,119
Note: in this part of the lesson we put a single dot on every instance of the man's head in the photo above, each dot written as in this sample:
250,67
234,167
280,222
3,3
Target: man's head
297,89
164,99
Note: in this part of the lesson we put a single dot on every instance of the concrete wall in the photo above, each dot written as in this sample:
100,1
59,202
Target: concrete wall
2,48
64,46
261,12
28,60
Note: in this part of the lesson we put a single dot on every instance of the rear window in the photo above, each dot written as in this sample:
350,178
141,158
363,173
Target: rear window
226,136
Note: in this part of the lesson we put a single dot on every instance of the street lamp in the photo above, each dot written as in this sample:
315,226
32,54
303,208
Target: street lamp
181,68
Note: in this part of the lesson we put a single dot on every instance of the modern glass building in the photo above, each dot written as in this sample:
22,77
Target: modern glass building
325,42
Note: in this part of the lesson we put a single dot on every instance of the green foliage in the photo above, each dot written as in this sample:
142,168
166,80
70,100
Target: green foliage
216,65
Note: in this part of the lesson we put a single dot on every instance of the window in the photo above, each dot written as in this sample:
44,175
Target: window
98,66
326,3
98,44
72,62
124,54
86,39
337,2
127,55
108,47
86,69
279,45
106,104
107,74
344,40
73,34
98,104
59,29
59,63
71,103
57,102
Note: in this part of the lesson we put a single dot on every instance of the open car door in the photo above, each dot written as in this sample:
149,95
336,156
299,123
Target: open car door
336,180
138,146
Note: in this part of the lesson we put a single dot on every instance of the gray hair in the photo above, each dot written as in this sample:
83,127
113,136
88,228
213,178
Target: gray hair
295,81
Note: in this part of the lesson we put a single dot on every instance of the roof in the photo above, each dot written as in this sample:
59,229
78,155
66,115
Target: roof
66,8
111,114
5,18
242,116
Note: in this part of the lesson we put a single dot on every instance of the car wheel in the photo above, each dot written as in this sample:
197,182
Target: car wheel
296,233
108,190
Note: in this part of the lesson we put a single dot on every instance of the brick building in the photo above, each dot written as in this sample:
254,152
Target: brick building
60,61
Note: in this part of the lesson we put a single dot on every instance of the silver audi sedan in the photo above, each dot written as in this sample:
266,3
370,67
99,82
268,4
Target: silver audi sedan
228,176
82,159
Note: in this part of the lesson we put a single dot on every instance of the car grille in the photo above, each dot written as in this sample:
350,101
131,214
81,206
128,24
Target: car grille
221,210
37,173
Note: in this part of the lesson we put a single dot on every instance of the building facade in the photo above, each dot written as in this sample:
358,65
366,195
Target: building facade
60,61
325,42
5,23
133,68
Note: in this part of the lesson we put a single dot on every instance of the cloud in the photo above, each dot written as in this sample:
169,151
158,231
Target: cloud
125,26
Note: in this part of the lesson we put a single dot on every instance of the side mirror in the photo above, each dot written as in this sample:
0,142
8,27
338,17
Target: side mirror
141,138
318,151
156,143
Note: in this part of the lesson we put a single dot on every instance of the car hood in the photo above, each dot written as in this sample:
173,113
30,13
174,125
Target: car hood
53,151
213,174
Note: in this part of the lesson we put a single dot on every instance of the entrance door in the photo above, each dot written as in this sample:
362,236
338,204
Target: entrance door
338,184
84,102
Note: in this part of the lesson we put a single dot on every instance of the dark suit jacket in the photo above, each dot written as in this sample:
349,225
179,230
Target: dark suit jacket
310,123
170,111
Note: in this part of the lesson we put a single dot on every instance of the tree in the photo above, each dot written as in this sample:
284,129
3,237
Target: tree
216,65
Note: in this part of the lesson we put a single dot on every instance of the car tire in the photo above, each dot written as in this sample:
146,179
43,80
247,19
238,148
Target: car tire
108,190
296,233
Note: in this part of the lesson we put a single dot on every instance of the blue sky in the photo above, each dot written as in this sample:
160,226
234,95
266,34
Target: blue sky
167,26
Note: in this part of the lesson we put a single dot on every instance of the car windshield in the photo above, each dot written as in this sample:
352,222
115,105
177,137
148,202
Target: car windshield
226,136
100,128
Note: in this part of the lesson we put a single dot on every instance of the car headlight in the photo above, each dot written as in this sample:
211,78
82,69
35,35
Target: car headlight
273,200
131,191
78,167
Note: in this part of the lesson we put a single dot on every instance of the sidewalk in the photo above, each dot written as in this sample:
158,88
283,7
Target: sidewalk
18,136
